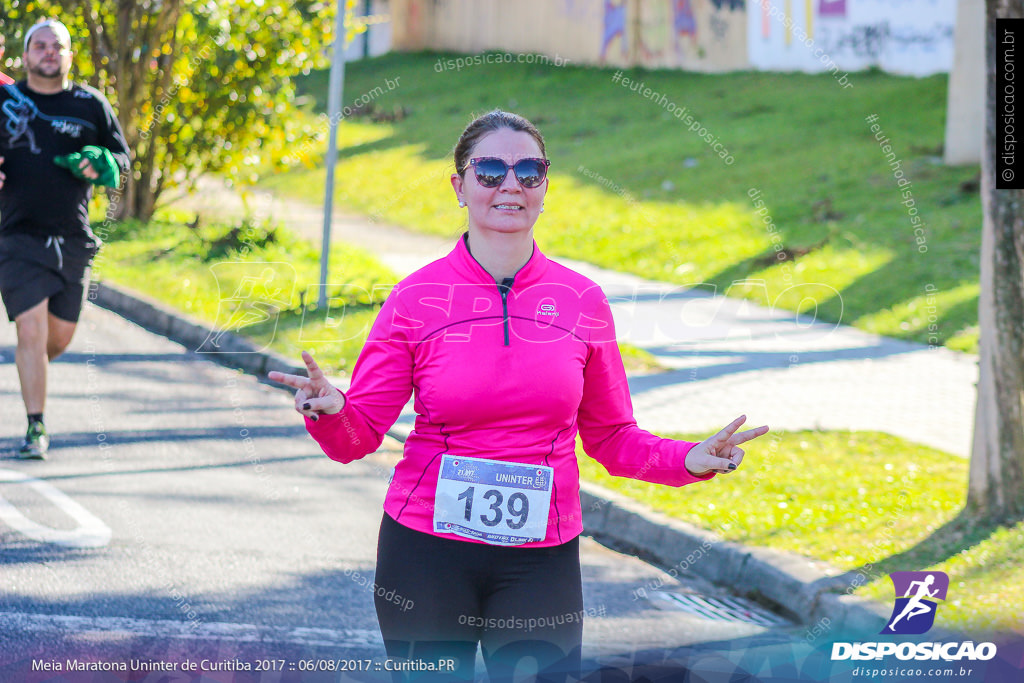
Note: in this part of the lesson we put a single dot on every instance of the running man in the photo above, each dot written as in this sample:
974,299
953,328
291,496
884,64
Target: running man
57,140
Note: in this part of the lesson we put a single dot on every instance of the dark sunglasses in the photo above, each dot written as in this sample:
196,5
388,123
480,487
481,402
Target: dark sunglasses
490,171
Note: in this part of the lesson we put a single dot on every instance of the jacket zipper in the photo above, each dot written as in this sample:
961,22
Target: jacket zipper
503,288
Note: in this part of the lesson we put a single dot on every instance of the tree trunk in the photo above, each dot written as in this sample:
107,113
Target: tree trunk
996,488
126,202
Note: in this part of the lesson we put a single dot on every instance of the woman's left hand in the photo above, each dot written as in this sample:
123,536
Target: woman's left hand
721,453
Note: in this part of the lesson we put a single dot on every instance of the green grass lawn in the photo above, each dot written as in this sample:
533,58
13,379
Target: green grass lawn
632,189
861,501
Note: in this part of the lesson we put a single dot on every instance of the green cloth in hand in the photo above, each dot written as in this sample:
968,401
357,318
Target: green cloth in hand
100,159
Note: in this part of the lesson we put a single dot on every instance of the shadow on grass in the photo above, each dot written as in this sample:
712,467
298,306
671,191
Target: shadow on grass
884,288
960,533
952,320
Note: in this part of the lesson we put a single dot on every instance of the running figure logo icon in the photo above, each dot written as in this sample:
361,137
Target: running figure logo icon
917,596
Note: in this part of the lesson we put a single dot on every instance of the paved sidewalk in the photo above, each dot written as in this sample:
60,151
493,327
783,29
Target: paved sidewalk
728,356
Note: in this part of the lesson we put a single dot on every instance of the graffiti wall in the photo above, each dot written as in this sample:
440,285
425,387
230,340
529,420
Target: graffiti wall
899,36
697,35
569,29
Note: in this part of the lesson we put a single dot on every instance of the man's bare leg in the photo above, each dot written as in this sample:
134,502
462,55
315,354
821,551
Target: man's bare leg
31,356
59,335
32,359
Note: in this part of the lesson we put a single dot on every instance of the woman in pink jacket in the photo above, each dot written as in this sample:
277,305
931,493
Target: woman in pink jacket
508,355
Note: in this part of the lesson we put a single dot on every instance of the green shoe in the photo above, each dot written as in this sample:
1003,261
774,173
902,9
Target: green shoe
36,443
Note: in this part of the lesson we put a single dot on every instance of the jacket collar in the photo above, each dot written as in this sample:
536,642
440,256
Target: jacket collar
468,267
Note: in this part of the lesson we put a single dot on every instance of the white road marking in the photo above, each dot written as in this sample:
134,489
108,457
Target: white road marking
189,630
91,531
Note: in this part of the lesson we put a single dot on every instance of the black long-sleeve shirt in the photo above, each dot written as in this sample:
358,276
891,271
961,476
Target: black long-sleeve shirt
39,197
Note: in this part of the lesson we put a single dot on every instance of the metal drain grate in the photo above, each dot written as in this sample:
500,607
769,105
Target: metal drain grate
719,609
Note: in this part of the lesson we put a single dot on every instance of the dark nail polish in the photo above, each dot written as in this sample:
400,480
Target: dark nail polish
305,406
732,466
314,418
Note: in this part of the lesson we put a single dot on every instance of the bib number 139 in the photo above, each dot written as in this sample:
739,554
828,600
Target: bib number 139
515,512
491,500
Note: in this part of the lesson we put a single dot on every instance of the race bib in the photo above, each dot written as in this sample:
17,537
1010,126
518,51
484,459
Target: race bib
500,503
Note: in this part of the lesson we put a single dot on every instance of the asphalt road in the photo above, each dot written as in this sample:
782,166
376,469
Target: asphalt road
185,515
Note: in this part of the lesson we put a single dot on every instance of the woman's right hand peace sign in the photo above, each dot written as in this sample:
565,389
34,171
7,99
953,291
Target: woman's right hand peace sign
721,452
315,396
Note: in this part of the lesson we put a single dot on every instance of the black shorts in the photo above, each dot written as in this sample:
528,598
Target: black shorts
36,268
436,598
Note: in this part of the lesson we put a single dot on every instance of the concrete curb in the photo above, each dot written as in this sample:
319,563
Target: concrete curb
797,586
231,350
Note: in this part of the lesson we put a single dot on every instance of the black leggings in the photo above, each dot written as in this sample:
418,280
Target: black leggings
436,598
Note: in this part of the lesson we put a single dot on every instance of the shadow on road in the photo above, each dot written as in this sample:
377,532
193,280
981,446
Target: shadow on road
124,437
745,361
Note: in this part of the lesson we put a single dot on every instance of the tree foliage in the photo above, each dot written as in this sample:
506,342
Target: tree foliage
197,85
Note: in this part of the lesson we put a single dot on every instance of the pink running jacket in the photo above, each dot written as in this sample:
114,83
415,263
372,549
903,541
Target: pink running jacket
509,371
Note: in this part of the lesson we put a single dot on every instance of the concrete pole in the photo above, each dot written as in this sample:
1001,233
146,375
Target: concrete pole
965,106
335,87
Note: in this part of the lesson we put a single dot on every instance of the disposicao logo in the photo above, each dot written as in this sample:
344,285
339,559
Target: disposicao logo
913,613
917,598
